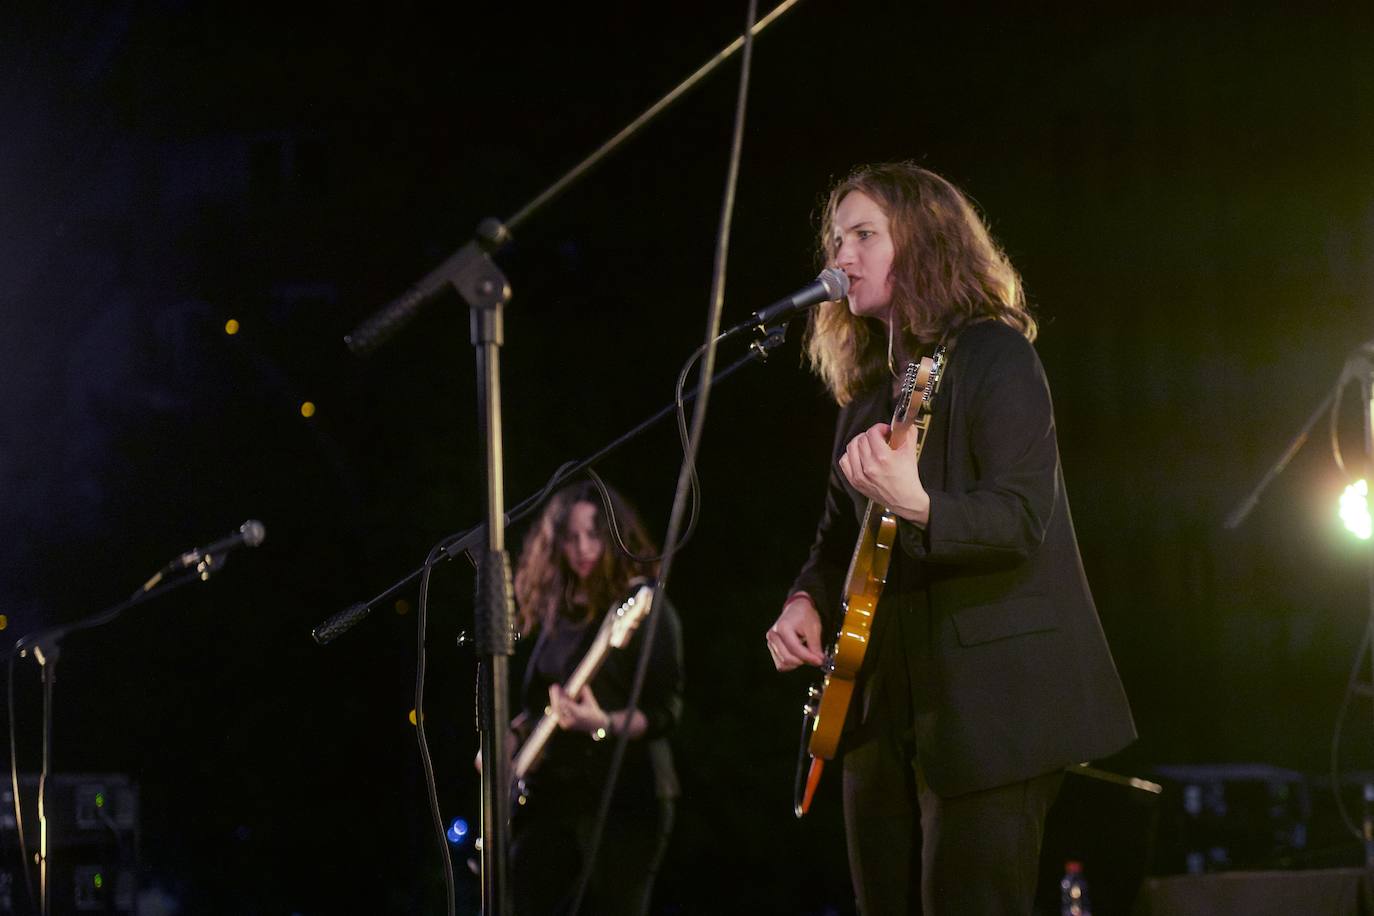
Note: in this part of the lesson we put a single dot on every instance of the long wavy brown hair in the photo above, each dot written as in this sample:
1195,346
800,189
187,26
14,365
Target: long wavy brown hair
544,584
947,273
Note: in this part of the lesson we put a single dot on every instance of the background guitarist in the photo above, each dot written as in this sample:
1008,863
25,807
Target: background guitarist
988,671
568,575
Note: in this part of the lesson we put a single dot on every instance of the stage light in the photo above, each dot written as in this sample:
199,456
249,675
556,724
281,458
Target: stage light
1355,510
458,831
308,409
231,327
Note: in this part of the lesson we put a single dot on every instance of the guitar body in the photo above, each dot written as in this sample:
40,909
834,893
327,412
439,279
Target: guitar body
863,587
828,705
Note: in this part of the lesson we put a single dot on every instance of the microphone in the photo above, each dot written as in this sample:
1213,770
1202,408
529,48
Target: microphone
831,285
250,534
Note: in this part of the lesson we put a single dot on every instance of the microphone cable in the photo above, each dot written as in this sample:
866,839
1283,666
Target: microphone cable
687,475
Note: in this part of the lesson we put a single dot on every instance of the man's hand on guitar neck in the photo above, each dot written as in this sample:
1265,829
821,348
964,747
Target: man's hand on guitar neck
794,639
888,476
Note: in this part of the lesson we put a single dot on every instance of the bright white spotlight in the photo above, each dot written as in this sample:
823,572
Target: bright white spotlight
1355,510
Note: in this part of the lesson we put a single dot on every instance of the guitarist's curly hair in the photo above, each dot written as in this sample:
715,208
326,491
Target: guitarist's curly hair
543,581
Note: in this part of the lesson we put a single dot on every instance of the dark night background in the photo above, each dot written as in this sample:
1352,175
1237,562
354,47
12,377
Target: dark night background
1189,196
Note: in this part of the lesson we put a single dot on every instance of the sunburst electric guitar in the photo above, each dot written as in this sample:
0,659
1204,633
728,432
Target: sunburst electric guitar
616,629
828,703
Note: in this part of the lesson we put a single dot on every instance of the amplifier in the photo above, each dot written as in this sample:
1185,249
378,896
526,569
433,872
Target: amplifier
1220,817
92,844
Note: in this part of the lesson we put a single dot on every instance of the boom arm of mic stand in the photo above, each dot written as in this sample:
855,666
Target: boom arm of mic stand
1354,367
1247,505
469,268
334,627
54,635
470,271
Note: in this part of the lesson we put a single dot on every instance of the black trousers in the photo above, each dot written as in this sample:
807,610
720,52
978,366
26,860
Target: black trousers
549,850
913,851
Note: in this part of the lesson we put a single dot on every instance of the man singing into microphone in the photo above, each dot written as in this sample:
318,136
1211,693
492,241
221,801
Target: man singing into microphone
987,671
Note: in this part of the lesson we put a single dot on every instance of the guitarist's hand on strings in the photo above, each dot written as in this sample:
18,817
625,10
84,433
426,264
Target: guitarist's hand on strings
888,476
794,639
580,713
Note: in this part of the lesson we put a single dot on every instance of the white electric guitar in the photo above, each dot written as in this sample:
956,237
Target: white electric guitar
617,627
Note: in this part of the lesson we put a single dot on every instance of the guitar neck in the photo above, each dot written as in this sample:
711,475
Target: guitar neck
534,745
914,427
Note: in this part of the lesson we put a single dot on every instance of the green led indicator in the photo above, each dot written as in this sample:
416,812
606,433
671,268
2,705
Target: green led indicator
99,880
100,799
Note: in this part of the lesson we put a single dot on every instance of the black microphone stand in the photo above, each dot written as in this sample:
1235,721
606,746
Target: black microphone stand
1359,367
480,282
494,622
45,647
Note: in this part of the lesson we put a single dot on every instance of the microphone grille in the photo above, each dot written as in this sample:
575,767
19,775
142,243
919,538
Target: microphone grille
836,283
253,532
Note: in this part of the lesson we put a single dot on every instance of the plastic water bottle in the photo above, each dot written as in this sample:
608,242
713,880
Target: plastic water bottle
1073,891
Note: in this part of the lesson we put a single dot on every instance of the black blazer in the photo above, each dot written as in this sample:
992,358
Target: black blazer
1009,672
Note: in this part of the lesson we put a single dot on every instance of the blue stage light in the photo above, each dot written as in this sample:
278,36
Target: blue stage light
458,831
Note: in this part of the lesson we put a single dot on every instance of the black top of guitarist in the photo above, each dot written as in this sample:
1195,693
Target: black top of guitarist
986,671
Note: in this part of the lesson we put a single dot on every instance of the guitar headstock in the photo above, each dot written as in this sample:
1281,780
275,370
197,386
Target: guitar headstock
626,616
919,384
913,370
